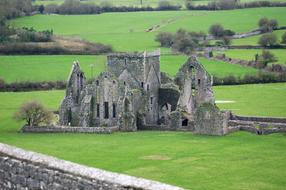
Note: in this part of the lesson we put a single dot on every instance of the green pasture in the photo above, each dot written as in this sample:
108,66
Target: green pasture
57,67
249,54
258,99
236,161
253,40
127,31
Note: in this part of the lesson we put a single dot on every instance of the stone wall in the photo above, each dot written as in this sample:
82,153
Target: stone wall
256,127
20,169
63,129
166,128
258,119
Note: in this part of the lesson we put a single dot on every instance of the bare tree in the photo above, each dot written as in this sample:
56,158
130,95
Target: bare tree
34,113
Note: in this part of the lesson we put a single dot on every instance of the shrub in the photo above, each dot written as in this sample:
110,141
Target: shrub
265,58
216,30
184,42
34,113
165,39
228,33
283,38
266,25
226,40
30,35
268,40
229,80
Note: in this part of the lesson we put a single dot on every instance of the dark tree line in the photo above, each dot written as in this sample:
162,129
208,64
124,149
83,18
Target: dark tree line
76,7
15,8
233,4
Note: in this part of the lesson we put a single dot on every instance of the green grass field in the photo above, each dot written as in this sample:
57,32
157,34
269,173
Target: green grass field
258,99
249,54
126,31
236,161
57,67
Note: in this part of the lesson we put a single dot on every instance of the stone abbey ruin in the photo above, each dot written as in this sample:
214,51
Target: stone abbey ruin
134,94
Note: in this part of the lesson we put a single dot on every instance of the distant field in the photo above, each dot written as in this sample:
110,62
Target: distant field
198,162
253,40
249,54
258,99
46,68
57,67
126,31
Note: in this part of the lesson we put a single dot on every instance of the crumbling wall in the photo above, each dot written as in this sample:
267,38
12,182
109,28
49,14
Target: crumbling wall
69,108
195,86
209,120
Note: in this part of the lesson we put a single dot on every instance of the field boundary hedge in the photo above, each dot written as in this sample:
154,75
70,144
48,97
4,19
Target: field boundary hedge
223,5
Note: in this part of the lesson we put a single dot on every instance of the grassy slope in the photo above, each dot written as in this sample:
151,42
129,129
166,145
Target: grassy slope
249,54
57,67
237,161
119,29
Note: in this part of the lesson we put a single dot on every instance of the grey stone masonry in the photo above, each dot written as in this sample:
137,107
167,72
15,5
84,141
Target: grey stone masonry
20,169
133,93
64,129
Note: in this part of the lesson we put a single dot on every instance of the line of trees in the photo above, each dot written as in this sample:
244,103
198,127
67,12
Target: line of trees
232,4
182,41
76,7
186,42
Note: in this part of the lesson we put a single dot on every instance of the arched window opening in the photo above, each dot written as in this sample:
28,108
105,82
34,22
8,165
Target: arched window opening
114,110
97,110
185,122
106,110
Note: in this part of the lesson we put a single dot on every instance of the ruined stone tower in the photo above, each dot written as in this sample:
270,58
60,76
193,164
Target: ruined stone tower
140,71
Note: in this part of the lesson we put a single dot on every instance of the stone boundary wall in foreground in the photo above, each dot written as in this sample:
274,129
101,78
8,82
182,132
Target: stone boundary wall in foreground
63,129
20,169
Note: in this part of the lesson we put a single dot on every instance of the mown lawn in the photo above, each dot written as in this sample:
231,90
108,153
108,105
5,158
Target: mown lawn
127,31
249,54
57,67
236,161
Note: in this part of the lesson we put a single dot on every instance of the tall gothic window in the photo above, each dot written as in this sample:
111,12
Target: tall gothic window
106,110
